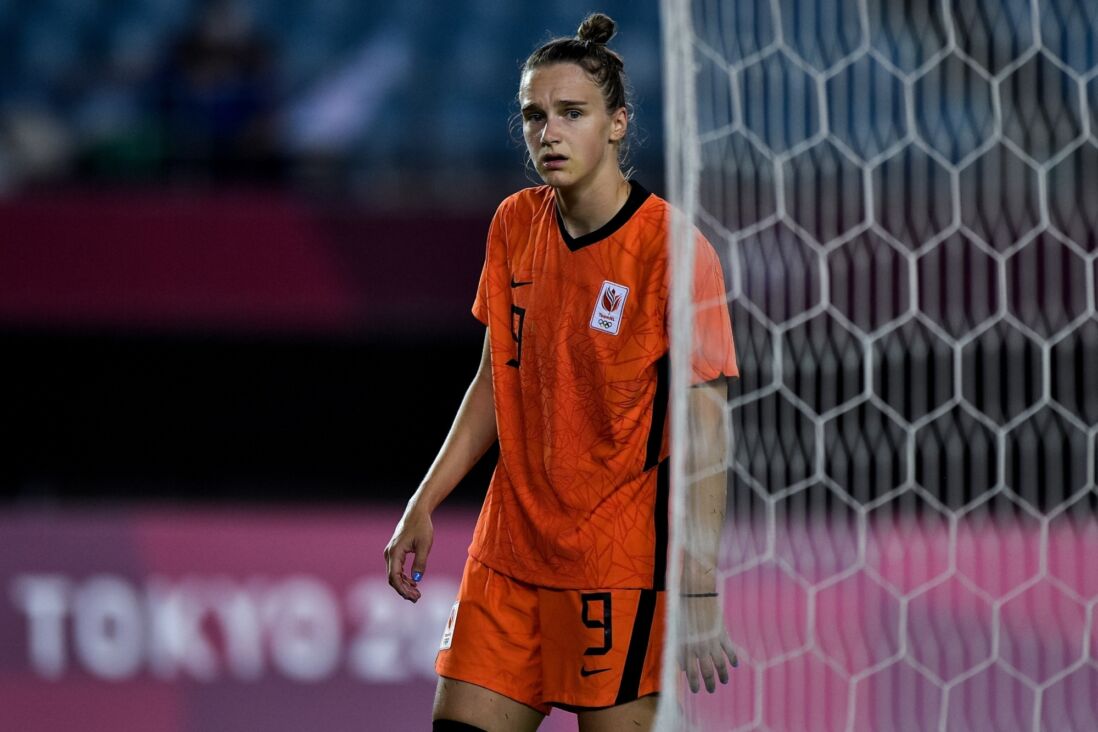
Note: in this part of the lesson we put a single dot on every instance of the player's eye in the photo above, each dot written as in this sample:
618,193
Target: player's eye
534,116
574,114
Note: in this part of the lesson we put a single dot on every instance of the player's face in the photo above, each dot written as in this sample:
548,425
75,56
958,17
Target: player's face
569,133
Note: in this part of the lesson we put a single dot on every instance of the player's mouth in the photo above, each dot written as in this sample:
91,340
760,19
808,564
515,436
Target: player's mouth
553,161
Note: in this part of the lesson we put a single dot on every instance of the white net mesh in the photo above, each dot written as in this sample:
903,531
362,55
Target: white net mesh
904,196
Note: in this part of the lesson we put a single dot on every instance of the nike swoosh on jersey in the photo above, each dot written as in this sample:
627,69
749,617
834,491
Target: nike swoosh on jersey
591,672
519,284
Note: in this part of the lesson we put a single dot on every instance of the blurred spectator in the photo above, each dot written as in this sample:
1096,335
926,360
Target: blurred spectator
399,104
323,124
34,146
215,98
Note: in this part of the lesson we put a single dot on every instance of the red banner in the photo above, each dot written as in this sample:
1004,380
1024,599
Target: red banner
234,261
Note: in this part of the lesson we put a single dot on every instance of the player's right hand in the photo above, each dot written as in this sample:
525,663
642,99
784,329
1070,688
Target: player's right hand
414,535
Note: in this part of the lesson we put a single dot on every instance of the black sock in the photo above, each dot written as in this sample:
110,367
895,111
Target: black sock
449,725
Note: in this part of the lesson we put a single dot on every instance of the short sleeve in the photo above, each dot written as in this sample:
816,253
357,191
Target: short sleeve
495,255
480,303
714,350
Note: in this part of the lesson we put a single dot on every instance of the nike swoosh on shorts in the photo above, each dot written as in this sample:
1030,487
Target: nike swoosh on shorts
592,672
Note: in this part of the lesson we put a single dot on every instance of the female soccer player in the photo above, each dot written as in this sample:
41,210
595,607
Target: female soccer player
561,602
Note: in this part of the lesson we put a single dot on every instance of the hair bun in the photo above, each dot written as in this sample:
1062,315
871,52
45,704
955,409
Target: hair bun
596,28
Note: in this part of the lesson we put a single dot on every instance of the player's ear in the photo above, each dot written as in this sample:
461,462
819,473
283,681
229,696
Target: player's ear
619,124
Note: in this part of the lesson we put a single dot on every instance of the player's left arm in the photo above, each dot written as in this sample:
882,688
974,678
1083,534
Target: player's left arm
707,649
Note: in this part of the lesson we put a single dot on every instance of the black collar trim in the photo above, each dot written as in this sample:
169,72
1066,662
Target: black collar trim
637,196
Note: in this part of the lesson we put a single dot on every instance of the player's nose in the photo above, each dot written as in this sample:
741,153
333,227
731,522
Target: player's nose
550,132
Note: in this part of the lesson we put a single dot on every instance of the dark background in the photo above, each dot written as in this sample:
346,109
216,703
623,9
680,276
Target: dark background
239,240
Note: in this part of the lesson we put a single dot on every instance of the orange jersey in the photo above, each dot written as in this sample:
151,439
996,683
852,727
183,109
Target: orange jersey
579,348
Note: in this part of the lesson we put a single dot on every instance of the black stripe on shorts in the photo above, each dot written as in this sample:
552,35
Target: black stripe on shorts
638,648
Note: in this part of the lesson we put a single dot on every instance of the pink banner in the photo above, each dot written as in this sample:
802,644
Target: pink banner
246,619
181,621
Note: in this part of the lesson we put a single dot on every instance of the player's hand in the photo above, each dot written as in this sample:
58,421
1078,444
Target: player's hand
414,535
706,646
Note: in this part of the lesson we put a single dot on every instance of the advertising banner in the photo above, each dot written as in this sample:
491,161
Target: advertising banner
169,620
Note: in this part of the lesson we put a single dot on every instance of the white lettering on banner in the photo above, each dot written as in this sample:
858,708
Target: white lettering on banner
176,642
44,599
377,651
108,626
305,628
206,628
393,642
238,614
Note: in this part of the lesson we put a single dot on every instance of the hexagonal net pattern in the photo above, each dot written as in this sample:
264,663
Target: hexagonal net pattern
904,199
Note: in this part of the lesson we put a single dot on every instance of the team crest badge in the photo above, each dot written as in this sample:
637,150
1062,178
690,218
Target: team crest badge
448,634
609,307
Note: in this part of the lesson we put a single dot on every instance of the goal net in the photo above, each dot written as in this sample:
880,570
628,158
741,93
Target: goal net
904,197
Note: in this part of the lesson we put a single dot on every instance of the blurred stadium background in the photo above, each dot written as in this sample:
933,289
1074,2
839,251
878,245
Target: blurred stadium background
240,238
238,245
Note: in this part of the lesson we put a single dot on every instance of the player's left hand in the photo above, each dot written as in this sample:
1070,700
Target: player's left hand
706,644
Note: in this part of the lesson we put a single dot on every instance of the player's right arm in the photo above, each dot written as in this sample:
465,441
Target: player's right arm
473,432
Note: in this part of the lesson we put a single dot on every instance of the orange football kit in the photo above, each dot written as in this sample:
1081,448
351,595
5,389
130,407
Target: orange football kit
561,602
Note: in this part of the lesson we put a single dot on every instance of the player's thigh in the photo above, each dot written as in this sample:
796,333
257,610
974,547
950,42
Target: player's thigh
635,716
464,702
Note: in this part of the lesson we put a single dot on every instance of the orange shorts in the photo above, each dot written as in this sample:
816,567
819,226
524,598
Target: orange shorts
542,647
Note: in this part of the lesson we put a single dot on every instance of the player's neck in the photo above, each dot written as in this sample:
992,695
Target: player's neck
589,208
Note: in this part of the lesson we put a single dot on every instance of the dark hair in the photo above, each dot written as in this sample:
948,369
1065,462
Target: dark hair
605,67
